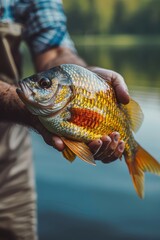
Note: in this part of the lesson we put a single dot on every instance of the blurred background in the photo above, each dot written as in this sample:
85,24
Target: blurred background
78,201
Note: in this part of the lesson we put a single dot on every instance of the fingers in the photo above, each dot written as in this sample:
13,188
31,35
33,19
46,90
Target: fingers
120,87
53,141
117,82
109,151
106,141
108,148
57,143
115,154
95,146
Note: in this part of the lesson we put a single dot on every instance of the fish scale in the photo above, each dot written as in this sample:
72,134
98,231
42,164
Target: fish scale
107,109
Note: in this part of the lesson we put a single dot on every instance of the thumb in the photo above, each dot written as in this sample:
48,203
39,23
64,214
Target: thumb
117,81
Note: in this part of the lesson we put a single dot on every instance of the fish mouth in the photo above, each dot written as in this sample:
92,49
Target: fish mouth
24,92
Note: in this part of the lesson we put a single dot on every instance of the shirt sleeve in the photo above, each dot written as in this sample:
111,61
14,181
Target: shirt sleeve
44,25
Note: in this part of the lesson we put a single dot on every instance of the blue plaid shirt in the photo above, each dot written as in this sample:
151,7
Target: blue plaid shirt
44,22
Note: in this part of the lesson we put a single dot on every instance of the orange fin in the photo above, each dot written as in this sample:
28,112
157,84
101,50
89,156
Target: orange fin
80,149
68,154
143,162
135,113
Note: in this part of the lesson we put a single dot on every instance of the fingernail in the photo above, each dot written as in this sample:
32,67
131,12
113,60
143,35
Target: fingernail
121,147
116,137
99,142
106,138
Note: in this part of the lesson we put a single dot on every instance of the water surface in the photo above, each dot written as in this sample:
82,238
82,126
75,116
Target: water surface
79,201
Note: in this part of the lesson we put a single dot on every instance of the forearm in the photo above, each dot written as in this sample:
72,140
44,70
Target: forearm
55,57
11,107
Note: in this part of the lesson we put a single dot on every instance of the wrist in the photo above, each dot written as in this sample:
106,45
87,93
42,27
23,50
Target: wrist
12,108
56,57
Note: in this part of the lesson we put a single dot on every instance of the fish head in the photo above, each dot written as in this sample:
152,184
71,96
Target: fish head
46,92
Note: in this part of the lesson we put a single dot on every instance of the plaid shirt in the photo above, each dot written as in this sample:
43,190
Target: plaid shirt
44,22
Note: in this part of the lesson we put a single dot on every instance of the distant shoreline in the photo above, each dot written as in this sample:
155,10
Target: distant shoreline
117,40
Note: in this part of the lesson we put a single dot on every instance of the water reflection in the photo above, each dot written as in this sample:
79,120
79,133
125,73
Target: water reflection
78,201
139,65
99,202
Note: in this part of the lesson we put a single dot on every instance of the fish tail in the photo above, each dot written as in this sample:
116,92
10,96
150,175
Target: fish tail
142,162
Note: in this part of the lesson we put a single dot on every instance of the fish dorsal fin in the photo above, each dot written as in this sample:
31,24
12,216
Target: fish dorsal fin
68,154
135,113
80,149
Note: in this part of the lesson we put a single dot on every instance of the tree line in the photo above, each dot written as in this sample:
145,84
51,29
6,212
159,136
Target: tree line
113,16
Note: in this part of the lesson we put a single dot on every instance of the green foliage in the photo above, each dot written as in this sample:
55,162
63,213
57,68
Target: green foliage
113,16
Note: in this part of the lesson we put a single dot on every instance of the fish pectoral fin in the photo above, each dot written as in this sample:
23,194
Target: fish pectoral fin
68,154
135,113
143,162
80,149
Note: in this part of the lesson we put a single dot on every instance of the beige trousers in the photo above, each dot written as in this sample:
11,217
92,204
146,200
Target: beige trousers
17,193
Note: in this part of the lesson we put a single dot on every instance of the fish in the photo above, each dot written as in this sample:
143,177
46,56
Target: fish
80,106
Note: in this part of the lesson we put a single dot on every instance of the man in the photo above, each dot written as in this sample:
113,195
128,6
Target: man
43,26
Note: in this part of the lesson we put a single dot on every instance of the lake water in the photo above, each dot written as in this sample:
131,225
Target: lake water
79,201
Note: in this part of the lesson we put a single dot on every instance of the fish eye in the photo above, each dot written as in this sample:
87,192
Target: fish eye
45,82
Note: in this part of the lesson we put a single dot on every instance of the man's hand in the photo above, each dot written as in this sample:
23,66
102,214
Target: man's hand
116,81
106,149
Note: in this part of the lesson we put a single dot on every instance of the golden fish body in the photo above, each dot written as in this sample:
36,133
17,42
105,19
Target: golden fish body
80,106
92,112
